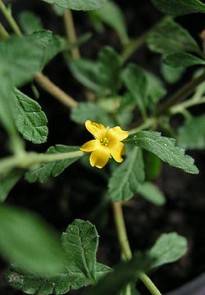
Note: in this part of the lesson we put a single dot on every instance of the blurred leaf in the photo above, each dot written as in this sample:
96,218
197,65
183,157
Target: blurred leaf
169,37
151,193
127,177
153,166
28,243
183,59
79,4
44,171
91,111
111,15
168,248
164,148
171,74
155,90
30,22
192,134
30,120
7,182
179,7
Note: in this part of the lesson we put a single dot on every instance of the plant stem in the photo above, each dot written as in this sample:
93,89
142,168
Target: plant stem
147,123
41,79
3,33
179,108
125,246
71,33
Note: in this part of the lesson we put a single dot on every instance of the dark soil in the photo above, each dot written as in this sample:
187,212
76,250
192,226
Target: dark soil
78,192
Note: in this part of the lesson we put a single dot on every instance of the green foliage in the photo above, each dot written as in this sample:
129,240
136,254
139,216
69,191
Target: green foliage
179,7
192,134
30,120
111,15
7,182
78,4
151,193
44,171
80,242
183,59
28,243
29,22
164,148
171,74
168,248
153,166
127,177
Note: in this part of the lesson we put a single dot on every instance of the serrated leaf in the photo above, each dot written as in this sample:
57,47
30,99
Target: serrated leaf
91,111
127,177
30,22
28,243
7,182
30,120
111,15
151,193
168,248
169,37
183,59
80,242
180,7
78,4
44,171
164,148
192,134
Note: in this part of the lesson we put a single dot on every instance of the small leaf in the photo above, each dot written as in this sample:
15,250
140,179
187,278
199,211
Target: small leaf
127,177
151,193
44,171
30,120
164,148
91,111
192,134
7,182
180,7
171,74
182,59
78,4
28,243
168,248
30,22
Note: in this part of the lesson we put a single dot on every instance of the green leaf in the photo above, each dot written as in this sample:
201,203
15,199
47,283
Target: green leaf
30,120
136,82
28,243
7,182
155,90
169,37
180,7
153,166
151,193
127,177
78,4
164,148
30,22
111,15
183,59
168,248
171,74
192,134
44,171
91,111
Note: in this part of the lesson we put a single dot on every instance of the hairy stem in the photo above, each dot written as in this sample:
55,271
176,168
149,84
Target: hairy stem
125,246
8,15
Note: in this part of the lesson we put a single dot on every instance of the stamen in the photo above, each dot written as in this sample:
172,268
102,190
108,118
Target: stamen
104,141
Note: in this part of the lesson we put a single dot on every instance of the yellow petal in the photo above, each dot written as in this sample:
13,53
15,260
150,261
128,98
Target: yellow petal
118,133
117,152
99,157
90,146
96,129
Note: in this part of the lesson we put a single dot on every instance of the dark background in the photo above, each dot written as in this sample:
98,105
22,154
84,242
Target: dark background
77,193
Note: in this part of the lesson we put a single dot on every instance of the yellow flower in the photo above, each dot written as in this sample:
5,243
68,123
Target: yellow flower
107,144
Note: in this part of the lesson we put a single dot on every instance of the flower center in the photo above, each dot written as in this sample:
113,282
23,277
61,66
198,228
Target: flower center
104,141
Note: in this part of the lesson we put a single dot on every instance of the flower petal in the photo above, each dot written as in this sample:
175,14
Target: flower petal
96,129
118,133
117,151
99,157
90,146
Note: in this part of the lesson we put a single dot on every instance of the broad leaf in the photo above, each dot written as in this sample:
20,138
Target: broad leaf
28,243
168,248
127,177
78,4
180,7
183,59
7,182
164,148
30,120
43,172
30,22
151,193
192,134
